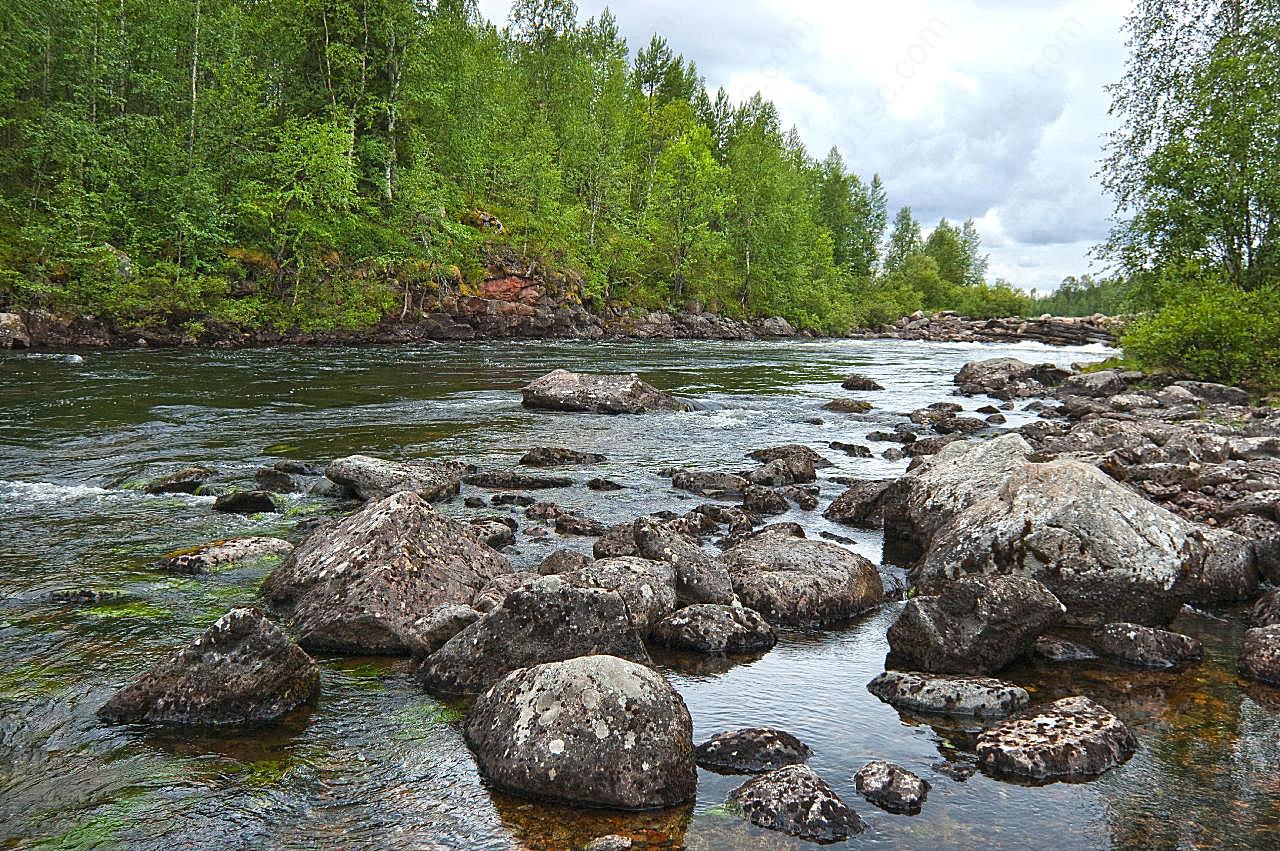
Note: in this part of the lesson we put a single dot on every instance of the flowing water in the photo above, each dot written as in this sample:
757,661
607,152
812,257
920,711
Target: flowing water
377,762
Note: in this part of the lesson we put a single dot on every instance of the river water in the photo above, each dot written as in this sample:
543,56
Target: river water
378,763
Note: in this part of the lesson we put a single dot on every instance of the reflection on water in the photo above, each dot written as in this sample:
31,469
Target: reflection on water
377,762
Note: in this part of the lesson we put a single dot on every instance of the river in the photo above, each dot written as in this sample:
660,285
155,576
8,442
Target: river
379,763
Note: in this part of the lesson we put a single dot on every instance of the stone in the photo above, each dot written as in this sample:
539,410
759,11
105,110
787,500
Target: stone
1146,646
245,502
712,628
373,479
789,451
1260,654
976,625
788,470
891,787
241,669
794,800
13,332
860,382
563,561
805,498
699,578
1053,649
647,587
848,406
562,390
203,558
548,620
186,480
594,730
1266,609
619,540
764,501
1072,739
514,480
430,633
610,842
800,582
497,533
709,484
549,456
931,694
855,450
603,485
862,505
753,750
583,527
1009,378
520,499
497,589
359,585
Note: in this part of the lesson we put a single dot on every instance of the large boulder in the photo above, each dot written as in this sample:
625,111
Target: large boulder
547,620
593,730
796,801
977,697
647,588
1070,739
562,390
1009,378
1260,654
13,332
374,478
699,578
801,582
359,585
208,556
891,787
976,625
1107,553
862,505
711,628
787,470
241,669
753,750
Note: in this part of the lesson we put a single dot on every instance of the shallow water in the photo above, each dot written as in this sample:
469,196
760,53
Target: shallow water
378,762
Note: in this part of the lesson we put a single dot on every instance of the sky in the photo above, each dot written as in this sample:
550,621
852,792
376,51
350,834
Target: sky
993,110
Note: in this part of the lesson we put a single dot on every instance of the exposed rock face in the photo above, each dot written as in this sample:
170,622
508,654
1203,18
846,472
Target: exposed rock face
550,456
245,502
1106,552
562,390
1146,646
594,730
241,669
709,484
647,588
204,558
495,591
711,628
1009,378
796,801
1070,739
187,480
699,578
548,620
1260,654
862,505
860,382
891,787
753,750
373,478
976,625
790,450
443,623
359,585
978,697
514,480
801,582
13,332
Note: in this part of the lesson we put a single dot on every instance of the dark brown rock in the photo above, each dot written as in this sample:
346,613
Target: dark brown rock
753,750
796,801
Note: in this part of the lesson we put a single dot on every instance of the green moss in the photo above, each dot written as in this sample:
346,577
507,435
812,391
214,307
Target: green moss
103,827
417,719
34,680
128,610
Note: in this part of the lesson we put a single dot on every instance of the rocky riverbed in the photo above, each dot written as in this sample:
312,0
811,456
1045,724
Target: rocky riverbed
456,614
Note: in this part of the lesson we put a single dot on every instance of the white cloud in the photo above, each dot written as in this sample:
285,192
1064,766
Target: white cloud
991,109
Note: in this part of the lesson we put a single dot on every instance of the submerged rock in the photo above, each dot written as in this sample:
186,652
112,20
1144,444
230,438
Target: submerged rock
891,787
359,585
245,502
977,697
976,625
186,480
711,628
562,390
594,730
550,456
753,750
374,478
241,669
1260,654
796,801
1147,646
202,559
603,485
1070,739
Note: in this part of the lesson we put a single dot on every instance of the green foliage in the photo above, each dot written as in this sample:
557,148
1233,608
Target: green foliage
1085,296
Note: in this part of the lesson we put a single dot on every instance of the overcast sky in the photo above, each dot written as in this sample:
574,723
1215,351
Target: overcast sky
984,109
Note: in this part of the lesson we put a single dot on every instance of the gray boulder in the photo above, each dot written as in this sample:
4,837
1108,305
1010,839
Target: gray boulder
1146,646
1009,378
374,478
711,628
753,750
891,787
709,484
562,390
647,588
699,578
551,456
1260,654
794,800
563,561
1070,739
596,730
204,558
862,505
930,694
442,623
790,451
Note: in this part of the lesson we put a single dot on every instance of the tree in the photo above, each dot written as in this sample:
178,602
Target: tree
905,240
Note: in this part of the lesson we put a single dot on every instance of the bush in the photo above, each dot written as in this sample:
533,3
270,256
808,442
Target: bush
1216,333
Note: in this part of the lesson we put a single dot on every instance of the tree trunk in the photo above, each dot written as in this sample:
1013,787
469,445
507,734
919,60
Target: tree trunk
195,64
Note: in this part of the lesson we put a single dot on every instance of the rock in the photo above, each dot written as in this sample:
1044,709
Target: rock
277,481
976,625
862,505
1053,649
1260,654
619,540
13,332
603,485
1146,646
699,578
512,480
441,624
1100,384
848,406
1107,553
860,382
359,585
801,582
958,770
548,456
203,558
789,451
796,801
892,454
790,470
563,561
494,532
976,697
764,501
709,484
805,498
562,390
646,587
576,524
88,597
186,480
1069,739
520,499
1009,378
776,326
610,842
545,511
1215,394
891,787
245,502
595,730
374,478
496,590
548,620
241,669
853,449
712,628
753,750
